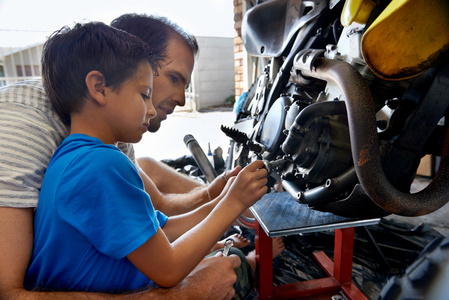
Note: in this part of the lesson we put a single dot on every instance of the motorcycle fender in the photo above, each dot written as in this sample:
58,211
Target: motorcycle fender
356,11
407,38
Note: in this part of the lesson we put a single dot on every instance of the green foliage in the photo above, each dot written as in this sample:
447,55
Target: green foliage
230,100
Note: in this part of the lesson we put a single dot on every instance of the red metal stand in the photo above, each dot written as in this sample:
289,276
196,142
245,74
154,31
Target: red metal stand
339,271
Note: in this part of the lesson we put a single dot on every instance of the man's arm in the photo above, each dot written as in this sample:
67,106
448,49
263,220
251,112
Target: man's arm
16,244
164,176
177,203
213,278
173,204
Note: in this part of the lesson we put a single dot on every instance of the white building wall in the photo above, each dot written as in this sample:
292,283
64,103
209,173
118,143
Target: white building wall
212,78
27,59
213,74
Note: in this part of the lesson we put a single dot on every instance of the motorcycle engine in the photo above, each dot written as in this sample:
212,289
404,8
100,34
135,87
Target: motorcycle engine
317,147
313,152
296,118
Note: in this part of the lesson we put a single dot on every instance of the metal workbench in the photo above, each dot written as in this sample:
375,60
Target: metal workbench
278,214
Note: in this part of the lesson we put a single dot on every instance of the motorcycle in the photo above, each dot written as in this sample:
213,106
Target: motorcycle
350,96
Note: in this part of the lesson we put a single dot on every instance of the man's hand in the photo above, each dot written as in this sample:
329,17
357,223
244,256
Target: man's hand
216,187
212,279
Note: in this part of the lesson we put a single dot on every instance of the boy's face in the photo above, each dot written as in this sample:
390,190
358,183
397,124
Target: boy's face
173,79
132,107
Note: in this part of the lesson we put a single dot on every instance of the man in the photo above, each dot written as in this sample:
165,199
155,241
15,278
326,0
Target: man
169,91
25,116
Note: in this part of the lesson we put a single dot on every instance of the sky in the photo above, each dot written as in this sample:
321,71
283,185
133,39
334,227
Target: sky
27,22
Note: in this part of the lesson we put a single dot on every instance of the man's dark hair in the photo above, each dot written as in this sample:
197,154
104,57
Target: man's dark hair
70,54
154,30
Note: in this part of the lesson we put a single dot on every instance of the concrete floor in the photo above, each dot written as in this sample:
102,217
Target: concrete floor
167,142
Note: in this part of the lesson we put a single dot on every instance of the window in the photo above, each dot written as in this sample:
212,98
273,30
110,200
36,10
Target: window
27,73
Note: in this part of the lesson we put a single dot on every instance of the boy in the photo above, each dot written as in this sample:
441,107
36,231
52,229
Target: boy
100,79
31,131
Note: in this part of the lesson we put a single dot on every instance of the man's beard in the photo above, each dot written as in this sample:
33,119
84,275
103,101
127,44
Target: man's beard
154,126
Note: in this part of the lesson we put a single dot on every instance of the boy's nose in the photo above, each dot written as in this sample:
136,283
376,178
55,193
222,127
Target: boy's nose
151,111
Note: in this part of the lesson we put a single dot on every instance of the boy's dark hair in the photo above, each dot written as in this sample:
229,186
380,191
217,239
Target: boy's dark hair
70,54
154,30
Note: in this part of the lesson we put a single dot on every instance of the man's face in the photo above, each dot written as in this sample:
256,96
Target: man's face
174,77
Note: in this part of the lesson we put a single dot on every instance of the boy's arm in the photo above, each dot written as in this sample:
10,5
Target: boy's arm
168,263
179,224
212,279
156,175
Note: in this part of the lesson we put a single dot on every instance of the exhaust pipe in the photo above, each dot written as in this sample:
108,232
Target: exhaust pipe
365,143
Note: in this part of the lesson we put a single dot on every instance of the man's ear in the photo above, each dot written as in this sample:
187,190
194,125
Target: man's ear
96,86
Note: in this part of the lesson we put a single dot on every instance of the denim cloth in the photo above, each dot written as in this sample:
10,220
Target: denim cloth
245,275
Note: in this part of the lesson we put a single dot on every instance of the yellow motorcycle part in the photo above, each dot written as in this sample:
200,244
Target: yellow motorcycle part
407,38
356,11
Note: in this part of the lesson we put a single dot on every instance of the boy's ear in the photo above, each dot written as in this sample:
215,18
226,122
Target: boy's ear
96,86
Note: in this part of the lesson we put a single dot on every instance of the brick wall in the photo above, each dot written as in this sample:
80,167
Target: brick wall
238,48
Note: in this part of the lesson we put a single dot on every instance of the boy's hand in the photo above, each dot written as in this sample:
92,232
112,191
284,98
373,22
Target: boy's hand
250,184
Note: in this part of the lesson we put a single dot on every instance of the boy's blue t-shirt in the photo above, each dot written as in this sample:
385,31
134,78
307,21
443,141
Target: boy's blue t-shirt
92,212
